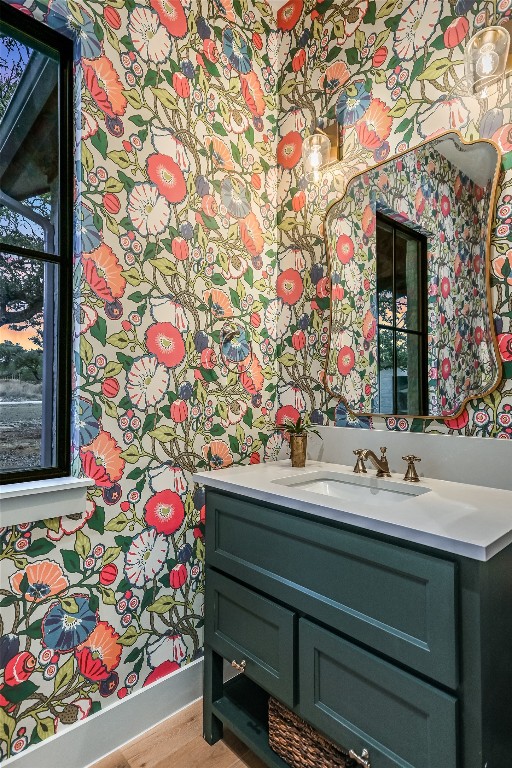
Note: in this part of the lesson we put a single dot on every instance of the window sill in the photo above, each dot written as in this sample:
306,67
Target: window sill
42,499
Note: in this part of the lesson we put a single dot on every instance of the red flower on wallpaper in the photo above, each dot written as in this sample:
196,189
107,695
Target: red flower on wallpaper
446,368
172,16
163,669
286,413
104,85
168,177
289,14
165,512
346,360
101,460
100,654
505,346
344,248
290,286
253,93
165,342
375,126
459,422
251,234
104,273
289,150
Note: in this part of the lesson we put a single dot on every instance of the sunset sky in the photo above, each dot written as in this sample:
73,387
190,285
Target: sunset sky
17,337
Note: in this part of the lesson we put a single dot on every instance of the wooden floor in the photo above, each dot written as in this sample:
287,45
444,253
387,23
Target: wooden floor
178,741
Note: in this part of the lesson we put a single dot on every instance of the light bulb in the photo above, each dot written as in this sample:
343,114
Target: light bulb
315,158
316,154
486,58
487,62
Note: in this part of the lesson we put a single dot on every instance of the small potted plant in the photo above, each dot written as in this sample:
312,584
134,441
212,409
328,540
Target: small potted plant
298,432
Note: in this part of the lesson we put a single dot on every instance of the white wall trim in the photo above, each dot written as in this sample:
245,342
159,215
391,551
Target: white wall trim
84,743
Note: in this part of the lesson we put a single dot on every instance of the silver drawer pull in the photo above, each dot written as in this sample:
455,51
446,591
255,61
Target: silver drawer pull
240,667
363,760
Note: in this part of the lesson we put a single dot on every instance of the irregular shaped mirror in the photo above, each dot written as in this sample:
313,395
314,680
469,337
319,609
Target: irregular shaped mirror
408,250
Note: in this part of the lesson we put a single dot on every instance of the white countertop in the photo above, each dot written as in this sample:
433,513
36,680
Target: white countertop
468,520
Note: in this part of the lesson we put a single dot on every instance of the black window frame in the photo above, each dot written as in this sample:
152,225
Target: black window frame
40,37
422,333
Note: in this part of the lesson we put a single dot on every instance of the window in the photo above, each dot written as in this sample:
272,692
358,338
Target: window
35,248
401,296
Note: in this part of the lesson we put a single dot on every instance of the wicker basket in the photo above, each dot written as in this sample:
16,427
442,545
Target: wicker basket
298,744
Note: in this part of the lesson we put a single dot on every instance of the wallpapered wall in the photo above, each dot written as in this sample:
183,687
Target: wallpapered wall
424,190
176,193
392,75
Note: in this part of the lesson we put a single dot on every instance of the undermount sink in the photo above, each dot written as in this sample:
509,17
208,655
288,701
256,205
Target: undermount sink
368,489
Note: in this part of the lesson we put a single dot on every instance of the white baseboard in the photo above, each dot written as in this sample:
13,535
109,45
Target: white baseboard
84,743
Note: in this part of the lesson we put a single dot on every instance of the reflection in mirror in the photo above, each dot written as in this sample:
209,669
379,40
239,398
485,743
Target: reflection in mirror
408,251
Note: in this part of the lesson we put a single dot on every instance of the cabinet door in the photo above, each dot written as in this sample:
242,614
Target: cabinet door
393,599
244,626
361,701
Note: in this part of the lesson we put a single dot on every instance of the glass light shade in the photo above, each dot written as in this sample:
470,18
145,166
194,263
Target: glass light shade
486,58
316,154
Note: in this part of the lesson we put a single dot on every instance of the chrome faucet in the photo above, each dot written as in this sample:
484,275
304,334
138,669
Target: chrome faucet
381,465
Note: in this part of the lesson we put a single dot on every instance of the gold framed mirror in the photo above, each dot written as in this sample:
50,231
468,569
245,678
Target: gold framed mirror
408,251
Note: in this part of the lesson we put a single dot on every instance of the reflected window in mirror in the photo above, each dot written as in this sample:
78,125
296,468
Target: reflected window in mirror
401,292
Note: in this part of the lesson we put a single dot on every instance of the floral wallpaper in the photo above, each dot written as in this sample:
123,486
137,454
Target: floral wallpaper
429,194
175,326
391,75
202,300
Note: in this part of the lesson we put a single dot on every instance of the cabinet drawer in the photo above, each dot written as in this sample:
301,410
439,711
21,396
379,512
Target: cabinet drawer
241,624
395,600
361,701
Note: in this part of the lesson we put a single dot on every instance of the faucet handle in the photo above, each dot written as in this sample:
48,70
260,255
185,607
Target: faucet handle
383,451
411,475
359,467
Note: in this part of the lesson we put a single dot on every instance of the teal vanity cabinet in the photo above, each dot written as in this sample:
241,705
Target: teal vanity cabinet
379,644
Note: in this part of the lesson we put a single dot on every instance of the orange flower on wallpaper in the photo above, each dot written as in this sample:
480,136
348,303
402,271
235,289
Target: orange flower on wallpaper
253,93
101,460
289,150
217,454
502,267
45,578
100,654
104,273
375,126
219,303
252,237
252,378
335,76
368,221
221,155
225,8
104,85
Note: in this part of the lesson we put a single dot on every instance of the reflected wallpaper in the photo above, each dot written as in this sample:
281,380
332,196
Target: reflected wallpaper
425,191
